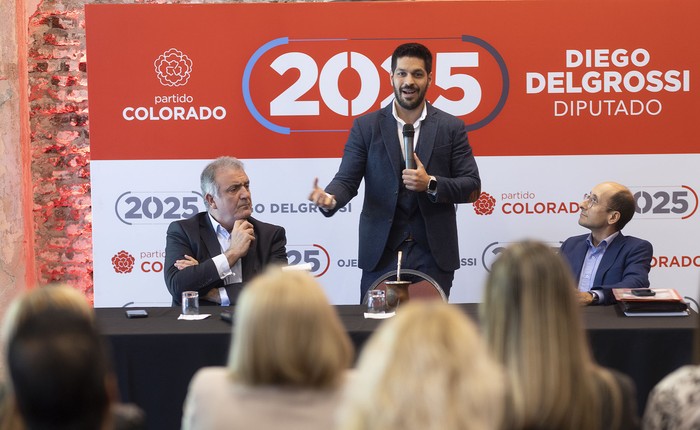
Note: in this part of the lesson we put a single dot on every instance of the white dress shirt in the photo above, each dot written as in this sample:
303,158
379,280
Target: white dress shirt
230,275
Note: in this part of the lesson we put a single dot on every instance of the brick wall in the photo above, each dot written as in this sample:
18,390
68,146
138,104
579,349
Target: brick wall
60,144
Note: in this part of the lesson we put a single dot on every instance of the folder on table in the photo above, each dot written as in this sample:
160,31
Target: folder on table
666,302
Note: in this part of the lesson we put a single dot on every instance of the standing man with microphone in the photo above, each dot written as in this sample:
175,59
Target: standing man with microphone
408,207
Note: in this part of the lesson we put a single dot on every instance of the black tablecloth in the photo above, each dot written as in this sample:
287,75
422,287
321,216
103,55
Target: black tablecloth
156,357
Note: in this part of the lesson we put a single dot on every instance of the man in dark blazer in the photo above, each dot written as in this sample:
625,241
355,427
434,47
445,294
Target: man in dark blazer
409,210
605,258
218,251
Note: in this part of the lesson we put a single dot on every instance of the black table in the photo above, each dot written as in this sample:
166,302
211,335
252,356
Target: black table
156,357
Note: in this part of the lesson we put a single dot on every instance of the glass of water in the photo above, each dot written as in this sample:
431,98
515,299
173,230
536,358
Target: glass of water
376,301
190,303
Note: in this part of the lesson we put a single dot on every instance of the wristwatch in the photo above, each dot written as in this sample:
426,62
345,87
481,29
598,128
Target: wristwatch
432,185
594,298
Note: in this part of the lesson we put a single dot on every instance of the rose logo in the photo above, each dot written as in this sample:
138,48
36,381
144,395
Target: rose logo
485,204
123,262
173,68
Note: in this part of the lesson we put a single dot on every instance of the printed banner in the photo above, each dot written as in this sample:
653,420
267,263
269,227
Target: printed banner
553,104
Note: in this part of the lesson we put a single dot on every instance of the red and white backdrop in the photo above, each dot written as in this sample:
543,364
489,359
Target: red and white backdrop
558,96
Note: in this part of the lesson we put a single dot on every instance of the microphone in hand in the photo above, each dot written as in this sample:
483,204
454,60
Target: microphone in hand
408,133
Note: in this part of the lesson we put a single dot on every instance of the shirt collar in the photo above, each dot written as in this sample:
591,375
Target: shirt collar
418,122
218,228
603,243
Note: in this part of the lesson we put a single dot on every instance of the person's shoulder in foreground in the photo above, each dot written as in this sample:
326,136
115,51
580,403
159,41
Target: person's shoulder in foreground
287,361
217,402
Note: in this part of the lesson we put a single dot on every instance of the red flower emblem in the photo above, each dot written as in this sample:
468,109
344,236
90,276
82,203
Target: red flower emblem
485,204
123,262
173,68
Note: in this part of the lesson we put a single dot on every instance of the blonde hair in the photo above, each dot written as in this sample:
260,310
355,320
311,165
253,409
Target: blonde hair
287,333
427,368
532,323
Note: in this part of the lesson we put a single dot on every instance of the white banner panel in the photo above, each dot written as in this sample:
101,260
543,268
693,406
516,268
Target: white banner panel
533,197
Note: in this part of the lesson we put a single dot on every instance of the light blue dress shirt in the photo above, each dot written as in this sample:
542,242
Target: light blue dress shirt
594,255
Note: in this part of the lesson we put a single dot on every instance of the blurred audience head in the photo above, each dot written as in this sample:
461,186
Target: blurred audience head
426,368
57,364
532,324
286,333
40,299
530,291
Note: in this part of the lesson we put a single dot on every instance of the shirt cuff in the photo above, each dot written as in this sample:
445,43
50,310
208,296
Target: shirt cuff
324,210
225,301
221,263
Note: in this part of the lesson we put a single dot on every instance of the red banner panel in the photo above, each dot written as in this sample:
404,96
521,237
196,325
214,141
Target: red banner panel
286,80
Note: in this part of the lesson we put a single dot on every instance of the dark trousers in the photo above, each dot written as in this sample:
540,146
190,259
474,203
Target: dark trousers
416,257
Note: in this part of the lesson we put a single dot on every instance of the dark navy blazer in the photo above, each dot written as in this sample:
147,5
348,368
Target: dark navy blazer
625,264
373,153
196,237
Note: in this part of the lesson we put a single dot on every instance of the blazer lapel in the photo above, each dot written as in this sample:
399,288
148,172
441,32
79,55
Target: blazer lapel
609,258
251,264
426,138
577,257
390,136
208,235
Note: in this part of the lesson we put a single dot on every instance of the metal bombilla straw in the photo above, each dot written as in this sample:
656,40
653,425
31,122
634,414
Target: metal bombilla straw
398,266
397,291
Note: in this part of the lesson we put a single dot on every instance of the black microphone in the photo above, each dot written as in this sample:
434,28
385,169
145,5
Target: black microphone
408,133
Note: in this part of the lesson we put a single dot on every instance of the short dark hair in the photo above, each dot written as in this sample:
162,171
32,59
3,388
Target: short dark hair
623,202
415,50
58,368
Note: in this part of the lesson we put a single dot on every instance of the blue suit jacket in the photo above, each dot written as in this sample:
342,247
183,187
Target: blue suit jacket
373,152
625,264
196,237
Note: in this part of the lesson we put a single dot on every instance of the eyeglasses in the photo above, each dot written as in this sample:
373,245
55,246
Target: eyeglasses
593,200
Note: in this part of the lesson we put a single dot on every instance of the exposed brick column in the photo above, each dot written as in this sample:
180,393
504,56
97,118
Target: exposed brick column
60,146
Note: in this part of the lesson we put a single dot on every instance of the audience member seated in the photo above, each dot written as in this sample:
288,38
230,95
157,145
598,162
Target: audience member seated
674,404
426,368
287,364
532,324
58,370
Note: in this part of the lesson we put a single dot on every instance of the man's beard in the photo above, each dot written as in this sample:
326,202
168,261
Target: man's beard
406,105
